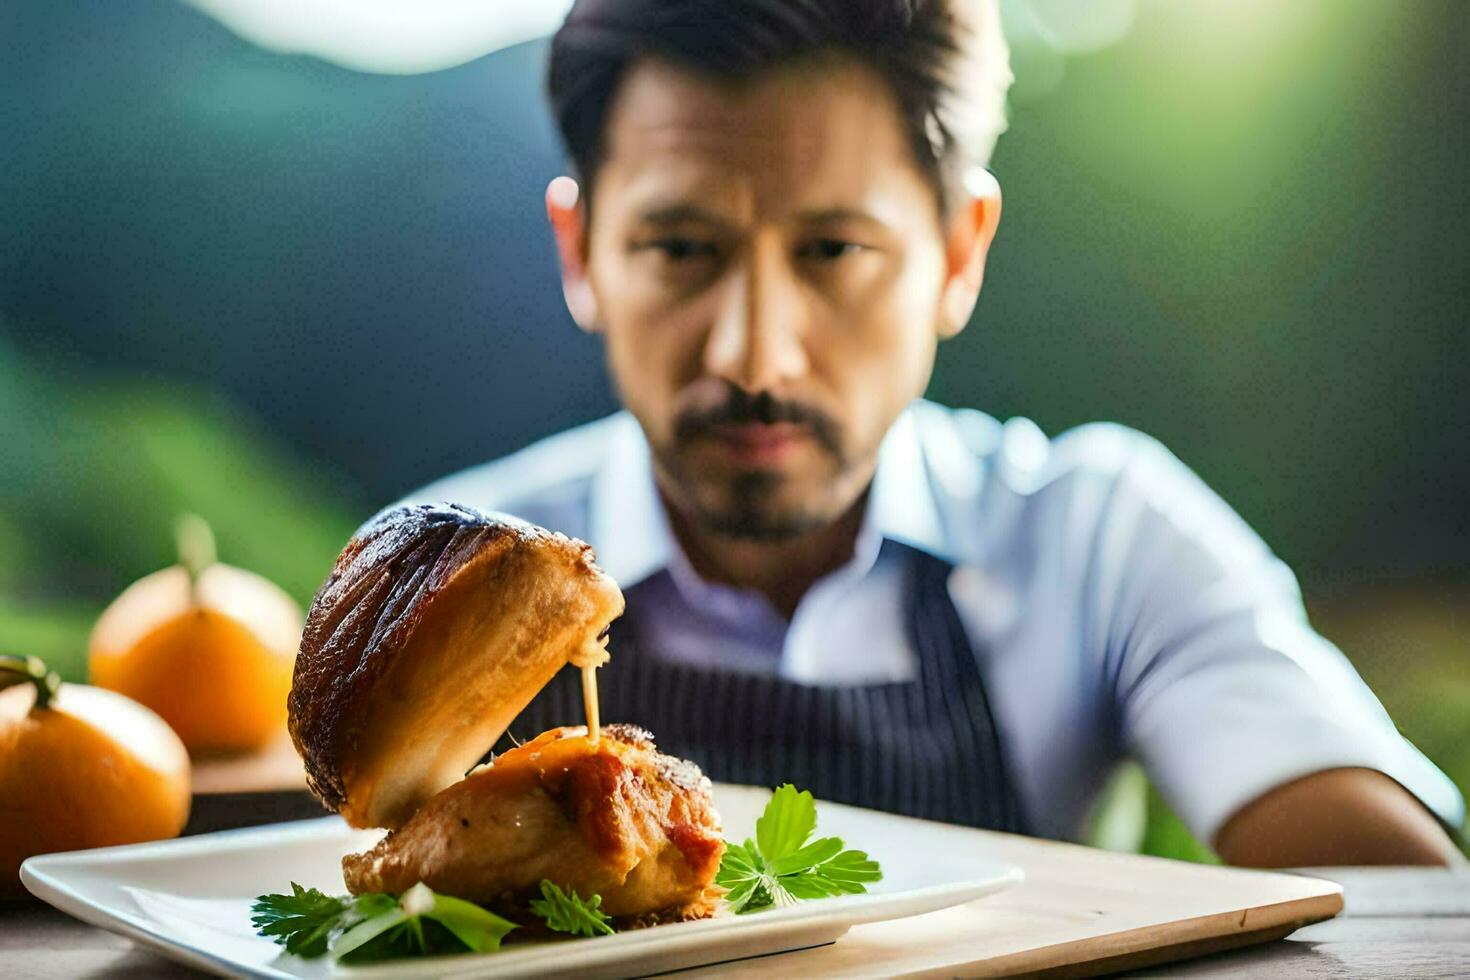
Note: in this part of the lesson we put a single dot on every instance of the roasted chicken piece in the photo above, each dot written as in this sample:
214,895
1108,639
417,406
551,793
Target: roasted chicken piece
437,626
614,818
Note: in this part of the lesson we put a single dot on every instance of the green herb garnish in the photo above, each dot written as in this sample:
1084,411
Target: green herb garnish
301,921
780,868
565,912
376,926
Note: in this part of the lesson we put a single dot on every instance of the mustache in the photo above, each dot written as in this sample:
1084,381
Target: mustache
740,407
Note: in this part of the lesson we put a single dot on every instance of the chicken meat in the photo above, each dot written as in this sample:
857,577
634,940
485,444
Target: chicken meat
614,818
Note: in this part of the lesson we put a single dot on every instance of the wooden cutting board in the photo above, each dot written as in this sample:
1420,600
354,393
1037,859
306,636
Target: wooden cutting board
1080,912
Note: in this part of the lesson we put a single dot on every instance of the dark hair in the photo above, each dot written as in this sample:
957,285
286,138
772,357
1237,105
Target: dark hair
945,61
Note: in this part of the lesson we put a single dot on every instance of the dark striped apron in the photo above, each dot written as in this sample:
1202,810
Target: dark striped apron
927,747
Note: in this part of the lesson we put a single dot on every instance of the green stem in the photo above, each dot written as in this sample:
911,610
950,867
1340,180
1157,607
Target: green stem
195,542
15,669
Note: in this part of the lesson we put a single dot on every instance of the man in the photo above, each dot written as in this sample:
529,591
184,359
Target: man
781,209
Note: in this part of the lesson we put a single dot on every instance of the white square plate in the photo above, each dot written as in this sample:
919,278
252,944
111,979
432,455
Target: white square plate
190,898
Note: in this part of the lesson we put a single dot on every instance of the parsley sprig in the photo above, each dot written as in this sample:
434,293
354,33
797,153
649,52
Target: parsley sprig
780,867
376,926
302,921
568,913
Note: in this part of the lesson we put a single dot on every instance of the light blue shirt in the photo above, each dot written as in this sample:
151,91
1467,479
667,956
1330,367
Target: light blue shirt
1117,605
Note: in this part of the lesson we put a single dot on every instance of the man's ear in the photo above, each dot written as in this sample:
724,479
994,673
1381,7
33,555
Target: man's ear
970,228
568,216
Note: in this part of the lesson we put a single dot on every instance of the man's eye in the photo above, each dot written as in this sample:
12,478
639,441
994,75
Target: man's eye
683,249
827,249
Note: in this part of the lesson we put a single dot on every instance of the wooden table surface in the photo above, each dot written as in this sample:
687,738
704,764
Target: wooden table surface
1398,922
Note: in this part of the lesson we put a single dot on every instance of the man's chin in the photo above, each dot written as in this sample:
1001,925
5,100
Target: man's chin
770,503
754,510
760,526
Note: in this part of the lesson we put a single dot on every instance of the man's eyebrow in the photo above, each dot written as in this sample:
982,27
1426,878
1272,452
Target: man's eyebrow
673,214
834,214
684,211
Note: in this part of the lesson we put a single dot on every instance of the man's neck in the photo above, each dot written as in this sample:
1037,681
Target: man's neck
781,570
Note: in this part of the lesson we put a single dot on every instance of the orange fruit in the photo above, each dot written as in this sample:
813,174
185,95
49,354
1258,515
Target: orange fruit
209,647
81,767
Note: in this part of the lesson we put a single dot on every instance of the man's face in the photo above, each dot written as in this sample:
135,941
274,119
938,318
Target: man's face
767,261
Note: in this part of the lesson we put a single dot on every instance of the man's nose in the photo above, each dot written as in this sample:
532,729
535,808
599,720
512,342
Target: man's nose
758,337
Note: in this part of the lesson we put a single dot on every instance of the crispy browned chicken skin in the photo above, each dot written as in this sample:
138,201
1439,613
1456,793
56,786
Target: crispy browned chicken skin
616,818
436,627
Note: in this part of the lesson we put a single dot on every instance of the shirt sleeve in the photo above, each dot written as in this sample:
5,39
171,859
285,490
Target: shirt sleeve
1223,690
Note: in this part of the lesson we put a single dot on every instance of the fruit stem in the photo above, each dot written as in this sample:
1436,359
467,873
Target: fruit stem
15,669
195,543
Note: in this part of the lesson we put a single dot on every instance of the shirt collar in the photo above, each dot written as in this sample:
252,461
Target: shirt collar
631,533
902,504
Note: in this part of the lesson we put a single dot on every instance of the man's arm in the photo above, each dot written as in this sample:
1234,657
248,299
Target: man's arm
1257,730
1336,817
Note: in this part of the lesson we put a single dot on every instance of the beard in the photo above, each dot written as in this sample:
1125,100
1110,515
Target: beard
749,510
756,504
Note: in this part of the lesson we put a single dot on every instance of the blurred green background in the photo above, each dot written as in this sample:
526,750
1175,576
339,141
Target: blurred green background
280,292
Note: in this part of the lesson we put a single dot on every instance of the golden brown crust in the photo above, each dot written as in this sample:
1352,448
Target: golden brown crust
440,589
706,906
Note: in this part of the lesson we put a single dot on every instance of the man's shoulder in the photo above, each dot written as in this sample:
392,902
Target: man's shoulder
1096,479
1019,454
547,482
